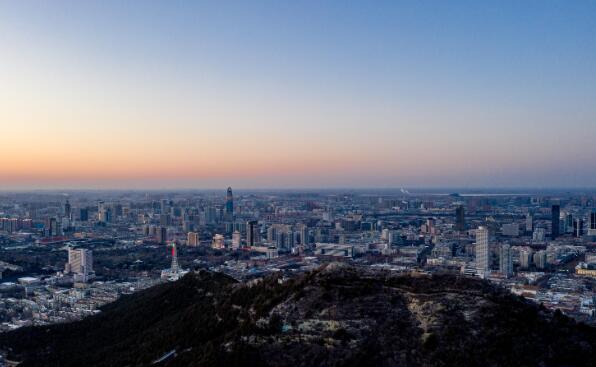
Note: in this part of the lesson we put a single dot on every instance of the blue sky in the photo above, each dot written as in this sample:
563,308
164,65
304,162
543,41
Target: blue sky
298,94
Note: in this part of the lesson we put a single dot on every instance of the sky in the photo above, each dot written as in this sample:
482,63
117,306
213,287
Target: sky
297,94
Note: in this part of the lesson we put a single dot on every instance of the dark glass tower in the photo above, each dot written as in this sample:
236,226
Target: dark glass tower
84,214
460,218
555,215
252,233
67,209
229,205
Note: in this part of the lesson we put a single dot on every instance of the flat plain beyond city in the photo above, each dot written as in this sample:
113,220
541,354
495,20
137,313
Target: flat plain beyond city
314,183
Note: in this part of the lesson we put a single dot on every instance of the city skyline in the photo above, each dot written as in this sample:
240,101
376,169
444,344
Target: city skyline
116,95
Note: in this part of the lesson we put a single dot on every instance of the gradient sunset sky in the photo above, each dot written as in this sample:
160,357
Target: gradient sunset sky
266,94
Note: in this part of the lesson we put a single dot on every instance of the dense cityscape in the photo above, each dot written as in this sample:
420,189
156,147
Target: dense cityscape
64,255
296,184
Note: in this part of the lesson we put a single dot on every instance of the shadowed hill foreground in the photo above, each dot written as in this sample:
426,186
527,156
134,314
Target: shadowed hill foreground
335,316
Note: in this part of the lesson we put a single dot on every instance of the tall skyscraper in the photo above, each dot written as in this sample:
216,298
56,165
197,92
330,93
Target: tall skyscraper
430,225
540,259
303,233
525,258
252,233
385,234
210,215
161,235
482,251
460,218
229,212
51,227
578,227
568,223
163,206
236,240
67,209
506,263
592,224
104,214
165,220
84,214
555,218
529,223
192,239
80,263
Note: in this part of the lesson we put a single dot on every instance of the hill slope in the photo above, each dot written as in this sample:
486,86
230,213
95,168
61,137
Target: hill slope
337,315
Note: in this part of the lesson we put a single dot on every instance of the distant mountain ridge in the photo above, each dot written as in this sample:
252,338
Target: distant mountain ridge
338,315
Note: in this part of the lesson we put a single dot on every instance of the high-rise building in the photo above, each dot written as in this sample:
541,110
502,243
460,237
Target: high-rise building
117,210
67,209
430,226
165,220
385,234
529,223
84,214
555,220
161,235
65,225
80,263
282,235
525,258
271,233
192,239
104,215
394,238
252,233
482,251
539,235
568,223
506,263
236,240
578,227
218,242
51,227
163,207
460,218
592,224
210,215
229,211
540,259
285,240
304,236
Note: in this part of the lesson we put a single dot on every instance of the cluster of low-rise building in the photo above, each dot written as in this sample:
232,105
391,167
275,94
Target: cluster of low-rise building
51,300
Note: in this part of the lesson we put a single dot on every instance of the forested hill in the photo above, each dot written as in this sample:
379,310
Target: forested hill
335,316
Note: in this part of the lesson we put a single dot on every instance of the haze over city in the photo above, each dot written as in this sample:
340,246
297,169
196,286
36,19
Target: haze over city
312,94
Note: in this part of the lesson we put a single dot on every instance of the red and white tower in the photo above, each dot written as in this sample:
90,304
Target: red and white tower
174,267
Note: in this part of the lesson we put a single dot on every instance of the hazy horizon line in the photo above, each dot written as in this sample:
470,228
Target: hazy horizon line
417,189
